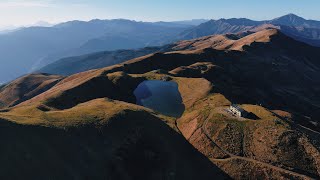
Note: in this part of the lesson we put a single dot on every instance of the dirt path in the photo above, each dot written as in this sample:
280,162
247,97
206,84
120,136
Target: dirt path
232,156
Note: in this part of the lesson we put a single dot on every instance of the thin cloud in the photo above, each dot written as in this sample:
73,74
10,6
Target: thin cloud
18,4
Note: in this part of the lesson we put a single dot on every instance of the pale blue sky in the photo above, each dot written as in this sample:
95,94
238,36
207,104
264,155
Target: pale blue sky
23,12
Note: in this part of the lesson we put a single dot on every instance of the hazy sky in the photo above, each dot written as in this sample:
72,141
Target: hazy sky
24,12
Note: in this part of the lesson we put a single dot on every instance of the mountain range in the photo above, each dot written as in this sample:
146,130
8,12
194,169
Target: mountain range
89,125
292,25
30,48
305,32
36,47
73,65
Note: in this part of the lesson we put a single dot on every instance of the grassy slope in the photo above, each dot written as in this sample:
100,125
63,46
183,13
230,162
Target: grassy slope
100,115
97,139
74,102
25,88
269,139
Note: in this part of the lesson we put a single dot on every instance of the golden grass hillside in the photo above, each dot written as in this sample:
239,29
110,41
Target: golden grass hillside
87,124
227,42
25,88
266,141
100,139
80,104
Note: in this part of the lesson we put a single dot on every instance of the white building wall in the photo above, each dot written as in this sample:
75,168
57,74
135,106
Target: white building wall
235,111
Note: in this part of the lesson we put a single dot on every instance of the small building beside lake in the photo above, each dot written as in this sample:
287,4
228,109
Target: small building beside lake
238,111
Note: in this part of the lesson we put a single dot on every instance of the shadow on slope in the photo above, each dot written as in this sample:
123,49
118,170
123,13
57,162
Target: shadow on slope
132,145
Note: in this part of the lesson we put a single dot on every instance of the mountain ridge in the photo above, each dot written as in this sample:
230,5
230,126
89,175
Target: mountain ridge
237,25
35,47
249,69
66,39
93,59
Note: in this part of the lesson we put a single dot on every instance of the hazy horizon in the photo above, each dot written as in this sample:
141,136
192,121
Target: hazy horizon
49,24
28,12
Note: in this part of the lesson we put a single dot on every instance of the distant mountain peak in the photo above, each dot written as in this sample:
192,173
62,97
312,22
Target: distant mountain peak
233,22
292,16
290,19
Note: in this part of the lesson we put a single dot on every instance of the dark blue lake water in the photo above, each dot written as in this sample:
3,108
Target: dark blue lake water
161,96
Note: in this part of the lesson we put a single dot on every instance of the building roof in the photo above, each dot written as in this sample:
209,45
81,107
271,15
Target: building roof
238,107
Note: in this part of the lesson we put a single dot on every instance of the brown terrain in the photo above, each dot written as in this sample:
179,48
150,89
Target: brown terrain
87,124
25,88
